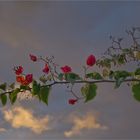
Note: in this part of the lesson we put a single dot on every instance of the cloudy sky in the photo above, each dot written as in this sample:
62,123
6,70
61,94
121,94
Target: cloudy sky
70,31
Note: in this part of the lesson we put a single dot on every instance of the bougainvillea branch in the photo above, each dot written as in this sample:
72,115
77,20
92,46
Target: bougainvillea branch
116,55
78,82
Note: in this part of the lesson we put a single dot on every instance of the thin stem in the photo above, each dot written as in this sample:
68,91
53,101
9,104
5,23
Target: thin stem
73,93
49,67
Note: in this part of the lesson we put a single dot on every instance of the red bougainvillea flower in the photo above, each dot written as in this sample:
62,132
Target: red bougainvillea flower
24,80
20,79
29,78
46,69
91,60
33,58
18,70
72,101
25,83
66,69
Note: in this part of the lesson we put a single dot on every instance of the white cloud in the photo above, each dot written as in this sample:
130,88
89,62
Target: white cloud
19,117
2,130
89,121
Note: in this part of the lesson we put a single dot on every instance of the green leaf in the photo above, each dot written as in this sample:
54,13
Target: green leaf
35,88
121,74
111,74
3,99
44,94
24,87
49,77
105,72
12,86
3,86
137,72
138,55
71,77
126,50
94,75
43,79
13,95
119,82
89,91
61,76
121,59
136,91
107,63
